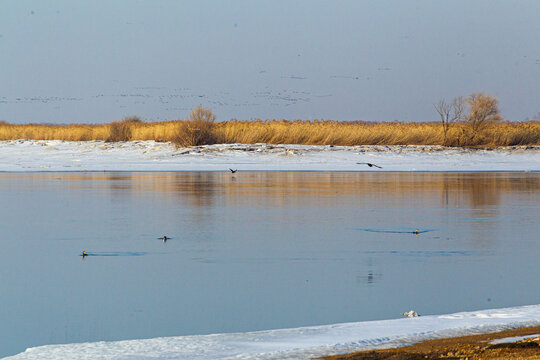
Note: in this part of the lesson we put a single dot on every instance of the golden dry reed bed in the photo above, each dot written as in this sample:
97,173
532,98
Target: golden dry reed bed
188,133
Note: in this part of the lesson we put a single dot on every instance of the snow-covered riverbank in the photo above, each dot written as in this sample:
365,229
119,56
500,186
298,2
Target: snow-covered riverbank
55,155
299,343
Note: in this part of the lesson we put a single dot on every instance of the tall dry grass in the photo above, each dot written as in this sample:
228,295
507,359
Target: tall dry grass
394,133
121,130
159,131
286,132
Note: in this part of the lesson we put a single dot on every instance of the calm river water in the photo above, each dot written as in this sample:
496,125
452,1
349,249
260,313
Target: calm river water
257,250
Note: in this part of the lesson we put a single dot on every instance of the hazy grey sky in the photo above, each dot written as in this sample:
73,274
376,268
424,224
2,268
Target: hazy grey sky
98,61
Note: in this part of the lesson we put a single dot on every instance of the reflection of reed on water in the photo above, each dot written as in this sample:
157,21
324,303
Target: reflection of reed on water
203,189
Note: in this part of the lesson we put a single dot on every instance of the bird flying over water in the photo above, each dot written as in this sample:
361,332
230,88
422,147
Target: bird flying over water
370,165
233,171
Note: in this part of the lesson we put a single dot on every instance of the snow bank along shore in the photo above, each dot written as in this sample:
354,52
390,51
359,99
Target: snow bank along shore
57,155
299,343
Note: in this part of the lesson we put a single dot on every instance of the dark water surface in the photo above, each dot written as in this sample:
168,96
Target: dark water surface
257,250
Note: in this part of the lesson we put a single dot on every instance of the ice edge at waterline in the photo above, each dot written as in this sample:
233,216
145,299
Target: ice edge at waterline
297,343
57,155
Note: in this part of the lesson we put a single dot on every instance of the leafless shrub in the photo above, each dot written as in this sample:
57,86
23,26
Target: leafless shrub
197,130
132,119
200,114
483,111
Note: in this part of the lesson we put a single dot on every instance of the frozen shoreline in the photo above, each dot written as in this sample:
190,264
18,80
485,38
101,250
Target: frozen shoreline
57,155
298,343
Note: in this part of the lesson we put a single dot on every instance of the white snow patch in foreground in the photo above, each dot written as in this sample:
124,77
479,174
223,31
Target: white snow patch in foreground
57,155
299,343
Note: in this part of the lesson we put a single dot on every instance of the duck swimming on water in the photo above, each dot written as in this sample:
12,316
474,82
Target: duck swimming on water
84,254
164,238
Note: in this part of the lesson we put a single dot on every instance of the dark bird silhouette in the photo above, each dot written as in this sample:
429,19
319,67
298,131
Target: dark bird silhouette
233,171
164,238
416,231
84,254
370,165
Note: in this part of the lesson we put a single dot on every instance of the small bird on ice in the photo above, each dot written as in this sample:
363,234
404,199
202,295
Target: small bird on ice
233,171
370,165
410,313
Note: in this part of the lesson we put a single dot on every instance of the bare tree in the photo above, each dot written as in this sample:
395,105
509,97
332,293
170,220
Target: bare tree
449,113
200,114
483,110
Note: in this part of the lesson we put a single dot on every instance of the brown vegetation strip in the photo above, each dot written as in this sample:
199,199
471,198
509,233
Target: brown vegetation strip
189,133
473,347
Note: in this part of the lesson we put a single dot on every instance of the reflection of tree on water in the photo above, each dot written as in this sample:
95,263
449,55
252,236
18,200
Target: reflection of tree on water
483,190
475,201
476,190
466,190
